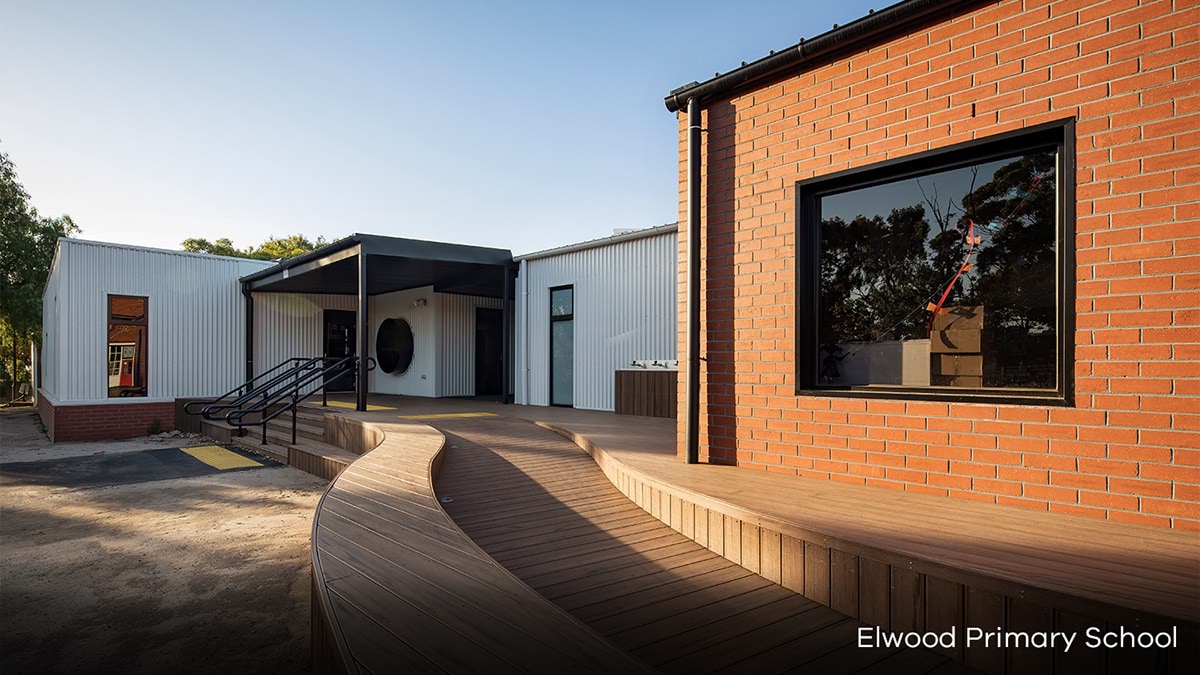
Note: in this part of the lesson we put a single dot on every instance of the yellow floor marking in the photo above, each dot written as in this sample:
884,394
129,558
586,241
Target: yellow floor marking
447,416
219,458
351,406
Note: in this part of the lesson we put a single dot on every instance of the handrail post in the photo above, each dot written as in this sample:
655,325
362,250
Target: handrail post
295,404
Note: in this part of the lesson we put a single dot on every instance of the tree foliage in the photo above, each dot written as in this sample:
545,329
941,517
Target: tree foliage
878,273
27,241
272,249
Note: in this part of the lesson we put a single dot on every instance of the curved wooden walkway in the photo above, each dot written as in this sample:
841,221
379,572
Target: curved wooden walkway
399,588
541,507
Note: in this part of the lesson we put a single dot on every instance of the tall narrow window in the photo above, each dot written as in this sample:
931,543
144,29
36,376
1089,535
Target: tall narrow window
127,349
562,346
944,274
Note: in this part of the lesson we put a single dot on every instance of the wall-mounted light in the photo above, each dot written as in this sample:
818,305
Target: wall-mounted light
420,302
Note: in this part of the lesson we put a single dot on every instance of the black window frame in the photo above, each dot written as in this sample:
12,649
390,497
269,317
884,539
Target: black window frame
1059,133
144,322
554,318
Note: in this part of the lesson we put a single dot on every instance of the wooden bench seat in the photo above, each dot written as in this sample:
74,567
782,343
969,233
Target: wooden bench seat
398,587
902,561
908,561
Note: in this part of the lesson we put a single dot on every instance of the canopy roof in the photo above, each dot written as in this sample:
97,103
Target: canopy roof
393,264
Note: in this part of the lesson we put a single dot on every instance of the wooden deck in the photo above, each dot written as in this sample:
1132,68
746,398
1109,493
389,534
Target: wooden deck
399,588
545,511
588,533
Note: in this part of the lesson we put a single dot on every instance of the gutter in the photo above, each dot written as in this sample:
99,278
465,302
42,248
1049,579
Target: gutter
888,21
603,241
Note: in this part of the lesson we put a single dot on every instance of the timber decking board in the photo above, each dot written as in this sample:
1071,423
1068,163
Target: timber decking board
631,572
403,588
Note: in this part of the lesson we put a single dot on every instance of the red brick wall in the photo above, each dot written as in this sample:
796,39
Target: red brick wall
104,421
1130,73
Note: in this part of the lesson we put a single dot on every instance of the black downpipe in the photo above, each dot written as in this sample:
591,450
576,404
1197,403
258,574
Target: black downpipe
692,433
364,339
249,332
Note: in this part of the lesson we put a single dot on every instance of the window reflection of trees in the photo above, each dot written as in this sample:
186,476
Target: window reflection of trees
879,273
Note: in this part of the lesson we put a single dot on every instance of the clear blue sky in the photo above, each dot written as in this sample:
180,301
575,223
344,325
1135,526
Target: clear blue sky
521,125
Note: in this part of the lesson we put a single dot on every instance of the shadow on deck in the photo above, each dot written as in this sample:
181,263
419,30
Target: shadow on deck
698,568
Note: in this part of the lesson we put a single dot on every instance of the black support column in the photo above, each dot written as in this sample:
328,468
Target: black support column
364,337
507,342
249,331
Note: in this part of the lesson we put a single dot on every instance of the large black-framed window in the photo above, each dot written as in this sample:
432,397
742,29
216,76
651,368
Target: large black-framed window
944,275
562,346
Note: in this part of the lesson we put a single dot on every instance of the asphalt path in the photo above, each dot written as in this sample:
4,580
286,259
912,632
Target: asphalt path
105,470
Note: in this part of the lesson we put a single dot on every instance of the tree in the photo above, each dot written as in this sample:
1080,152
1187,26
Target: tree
27,242
271,249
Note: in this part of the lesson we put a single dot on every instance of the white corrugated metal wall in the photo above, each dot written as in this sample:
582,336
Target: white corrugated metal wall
50,333
195,315
290,325
625,309
420,378
456,355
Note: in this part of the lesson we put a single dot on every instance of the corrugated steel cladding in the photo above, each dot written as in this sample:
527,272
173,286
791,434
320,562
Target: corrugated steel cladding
195,312
290,324
625,309
456,346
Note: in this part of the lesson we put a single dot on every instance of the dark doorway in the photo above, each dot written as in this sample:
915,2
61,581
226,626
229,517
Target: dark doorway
489,351
340,343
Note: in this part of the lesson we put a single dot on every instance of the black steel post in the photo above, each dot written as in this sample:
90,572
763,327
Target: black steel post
692,432
364,342
249,333
506,324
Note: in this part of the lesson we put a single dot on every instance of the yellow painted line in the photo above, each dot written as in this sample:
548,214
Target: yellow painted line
350,406
447,416
219,458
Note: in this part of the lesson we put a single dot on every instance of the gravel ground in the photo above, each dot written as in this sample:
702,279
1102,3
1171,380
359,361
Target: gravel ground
205,574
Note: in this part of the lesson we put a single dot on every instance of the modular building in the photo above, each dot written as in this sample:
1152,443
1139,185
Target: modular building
126,330
952,248
129,330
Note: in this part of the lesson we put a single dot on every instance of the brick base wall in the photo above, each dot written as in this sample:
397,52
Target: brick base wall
1128,73
104,421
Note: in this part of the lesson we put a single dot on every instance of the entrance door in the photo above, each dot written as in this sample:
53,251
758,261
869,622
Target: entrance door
339,343
489,351
562,346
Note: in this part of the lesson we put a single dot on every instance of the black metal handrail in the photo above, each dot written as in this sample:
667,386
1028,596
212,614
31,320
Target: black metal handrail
244,387
291,395
274,384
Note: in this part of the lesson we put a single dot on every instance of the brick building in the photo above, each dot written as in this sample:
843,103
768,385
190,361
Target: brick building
1065,238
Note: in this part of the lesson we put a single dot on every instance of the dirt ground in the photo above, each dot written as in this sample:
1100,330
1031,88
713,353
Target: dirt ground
202,574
